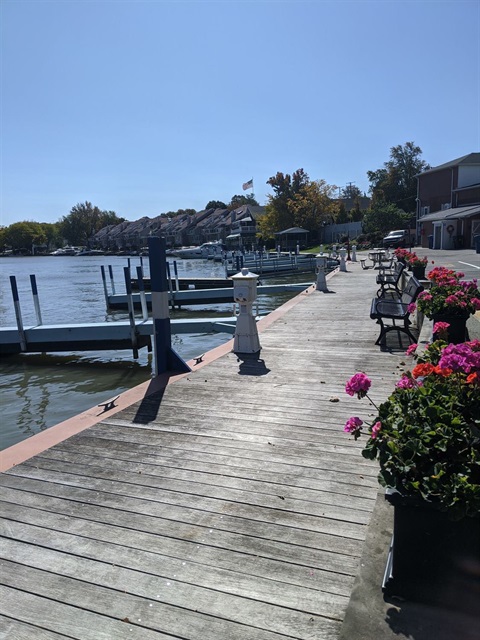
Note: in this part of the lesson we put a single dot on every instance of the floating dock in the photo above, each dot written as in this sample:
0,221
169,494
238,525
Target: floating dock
100,336
193,297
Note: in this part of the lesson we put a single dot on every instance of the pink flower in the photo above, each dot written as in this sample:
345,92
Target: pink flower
353,425
376,429
406,382
441,328
411,307
411,349
358,384
424,295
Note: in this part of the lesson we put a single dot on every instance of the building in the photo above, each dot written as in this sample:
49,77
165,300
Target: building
448,204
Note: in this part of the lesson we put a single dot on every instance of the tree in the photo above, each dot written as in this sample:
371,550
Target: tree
84,220
395,182
22,235
351,192
384,218
297,202
238,201
215,204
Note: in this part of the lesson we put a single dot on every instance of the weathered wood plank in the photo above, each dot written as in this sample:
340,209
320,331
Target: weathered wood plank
15,630
338,580
281,511
118,604
295,545
139,472
202,484
216,592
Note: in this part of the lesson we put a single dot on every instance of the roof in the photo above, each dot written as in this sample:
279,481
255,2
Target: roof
291,231
471,158
451,214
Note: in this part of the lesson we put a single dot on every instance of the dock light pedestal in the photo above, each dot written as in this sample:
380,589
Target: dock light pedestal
321,261
245,293
343,261
354,253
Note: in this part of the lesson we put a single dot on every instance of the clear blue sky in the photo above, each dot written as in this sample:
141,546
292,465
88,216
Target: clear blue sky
142,107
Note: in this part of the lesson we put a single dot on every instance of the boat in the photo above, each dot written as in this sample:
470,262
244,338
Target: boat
91,252
66,251
206,251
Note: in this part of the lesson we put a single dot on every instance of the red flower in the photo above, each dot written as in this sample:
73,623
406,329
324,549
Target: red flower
443,372
422,370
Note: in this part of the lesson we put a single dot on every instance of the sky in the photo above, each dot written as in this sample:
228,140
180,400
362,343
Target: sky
143,107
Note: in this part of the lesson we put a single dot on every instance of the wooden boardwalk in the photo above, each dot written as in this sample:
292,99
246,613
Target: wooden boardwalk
230,506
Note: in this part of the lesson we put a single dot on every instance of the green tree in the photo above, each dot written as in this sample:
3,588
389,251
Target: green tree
22,235
342,216
238,201
297,202
83,221
215,204
384,218
351,192
395,182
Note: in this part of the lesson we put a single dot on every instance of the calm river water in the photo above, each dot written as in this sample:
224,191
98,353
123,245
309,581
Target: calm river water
39,390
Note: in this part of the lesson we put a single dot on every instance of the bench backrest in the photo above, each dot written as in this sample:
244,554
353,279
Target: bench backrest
397,271
411,291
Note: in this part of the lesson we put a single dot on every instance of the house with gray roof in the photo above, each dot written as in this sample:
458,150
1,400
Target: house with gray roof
448,204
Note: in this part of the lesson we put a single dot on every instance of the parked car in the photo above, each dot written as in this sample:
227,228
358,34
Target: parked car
398,238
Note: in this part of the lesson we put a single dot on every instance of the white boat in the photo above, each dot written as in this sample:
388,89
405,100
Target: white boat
66,251
207,250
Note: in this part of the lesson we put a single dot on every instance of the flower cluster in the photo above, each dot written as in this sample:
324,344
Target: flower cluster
413,260
426,436
448,294
401,254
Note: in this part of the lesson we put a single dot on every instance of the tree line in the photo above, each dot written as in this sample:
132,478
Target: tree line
296,201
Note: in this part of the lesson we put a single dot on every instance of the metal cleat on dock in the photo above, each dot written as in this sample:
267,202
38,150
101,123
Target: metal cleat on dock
109,404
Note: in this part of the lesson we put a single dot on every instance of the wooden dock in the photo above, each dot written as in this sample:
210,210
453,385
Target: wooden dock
229,505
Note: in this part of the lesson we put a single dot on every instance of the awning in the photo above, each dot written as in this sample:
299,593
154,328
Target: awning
451,214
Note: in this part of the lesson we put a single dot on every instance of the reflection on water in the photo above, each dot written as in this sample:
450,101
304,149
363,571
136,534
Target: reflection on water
39,391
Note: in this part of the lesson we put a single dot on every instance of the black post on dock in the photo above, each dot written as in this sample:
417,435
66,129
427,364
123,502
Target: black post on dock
131,315
18,313
170,286
36,301
166,359
141,288
112,282
105,290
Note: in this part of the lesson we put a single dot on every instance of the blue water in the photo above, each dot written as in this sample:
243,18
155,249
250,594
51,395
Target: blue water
38,391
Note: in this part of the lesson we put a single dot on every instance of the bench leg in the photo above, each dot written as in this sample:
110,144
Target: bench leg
384,329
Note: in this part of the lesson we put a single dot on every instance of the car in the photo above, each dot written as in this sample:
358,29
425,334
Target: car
398,238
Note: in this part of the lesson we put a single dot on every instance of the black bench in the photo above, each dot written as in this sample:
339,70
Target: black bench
395,310
389,281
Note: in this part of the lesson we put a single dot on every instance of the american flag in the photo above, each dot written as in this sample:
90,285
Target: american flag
248,185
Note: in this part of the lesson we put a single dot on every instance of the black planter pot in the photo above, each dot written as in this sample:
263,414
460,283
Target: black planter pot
419,272
457,331
432,559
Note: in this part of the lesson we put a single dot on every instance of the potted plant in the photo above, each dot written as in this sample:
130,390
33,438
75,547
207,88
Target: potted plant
416,264
426,438
401,254
450,300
